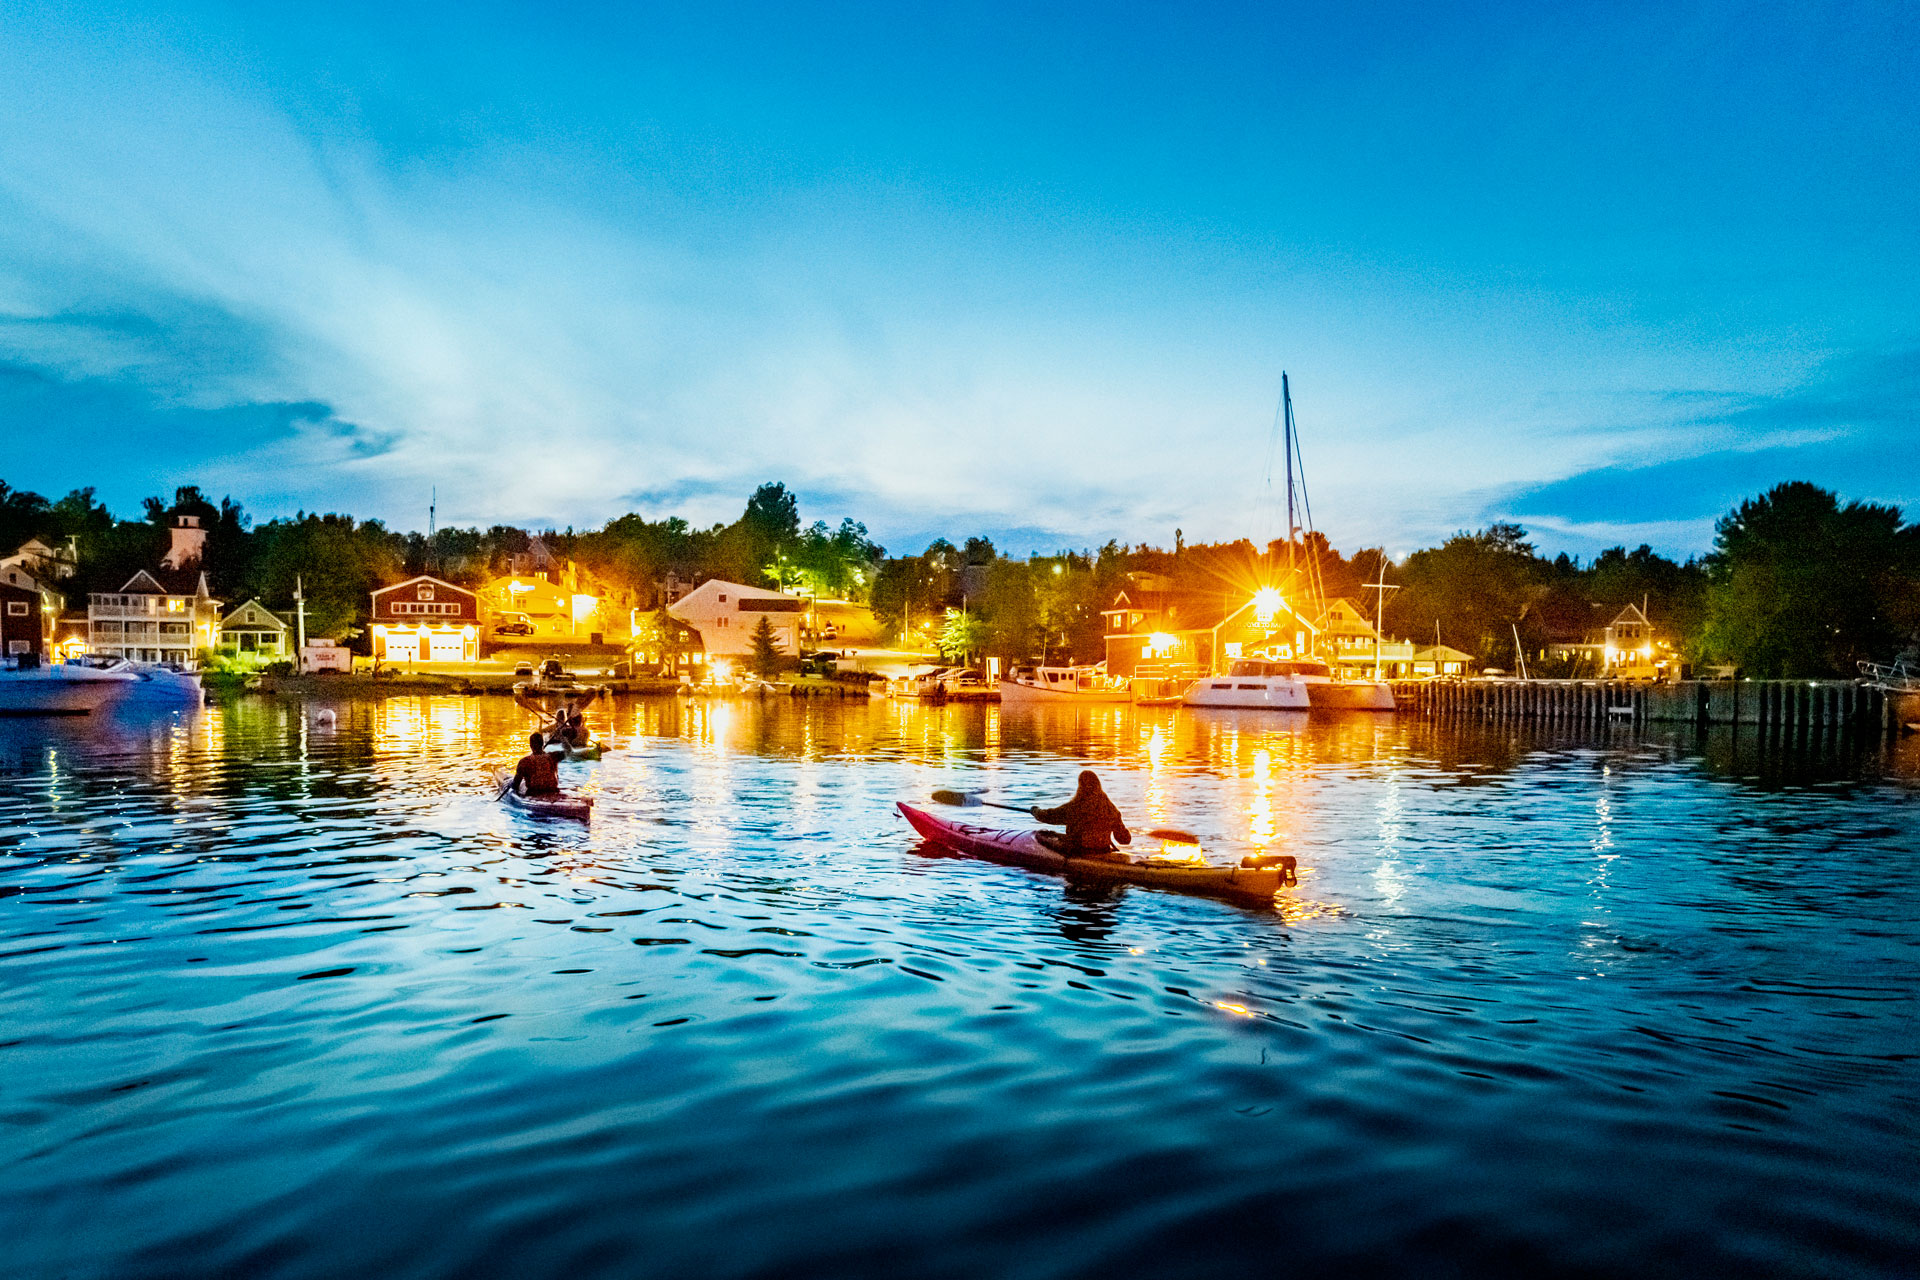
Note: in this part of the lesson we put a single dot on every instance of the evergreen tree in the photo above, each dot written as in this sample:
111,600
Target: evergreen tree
766,650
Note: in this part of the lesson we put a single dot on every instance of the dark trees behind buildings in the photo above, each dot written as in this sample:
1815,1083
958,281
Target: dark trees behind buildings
1798,583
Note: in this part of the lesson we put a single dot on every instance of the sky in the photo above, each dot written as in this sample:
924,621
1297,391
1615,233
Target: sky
1028,270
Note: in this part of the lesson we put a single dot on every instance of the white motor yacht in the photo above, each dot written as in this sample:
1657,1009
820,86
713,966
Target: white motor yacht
145,683
1251,682
1064,684
65,689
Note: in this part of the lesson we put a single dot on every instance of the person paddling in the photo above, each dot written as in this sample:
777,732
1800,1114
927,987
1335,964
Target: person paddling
538,773
1092,823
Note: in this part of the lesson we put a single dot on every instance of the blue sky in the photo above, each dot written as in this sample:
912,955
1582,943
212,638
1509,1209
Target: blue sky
1033,271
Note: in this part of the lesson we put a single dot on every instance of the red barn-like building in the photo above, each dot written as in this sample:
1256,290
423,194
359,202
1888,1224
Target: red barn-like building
426,619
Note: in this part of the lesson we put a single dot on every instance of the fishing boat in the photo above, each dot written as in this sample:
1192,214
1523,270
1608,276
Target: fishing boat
1064,684
1251,682
1178,872
576,808
65,689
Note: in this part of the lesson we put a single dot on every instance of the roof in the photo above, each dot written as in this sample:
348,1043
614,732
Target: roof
254,601
423,577
1441,653
1630,614
191,581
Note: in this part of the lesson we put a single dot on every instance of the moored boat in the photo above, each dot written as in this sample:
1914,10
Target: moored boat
1022,849
1251,682
1324,693
1064,684
66,689
577,808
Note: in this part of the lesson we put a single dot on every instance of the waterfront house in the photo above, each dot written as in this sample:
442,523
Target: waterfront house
1633,651
252,628
725,614
1351,644
159,615
165,614
425,619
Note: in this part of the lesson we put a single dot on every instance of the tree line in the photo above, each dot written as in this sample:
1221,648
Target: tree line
1798,583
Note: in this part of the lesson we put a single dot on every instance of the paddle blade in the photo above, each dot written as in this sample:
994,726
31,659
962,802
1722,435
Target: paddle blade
962,798
1173,836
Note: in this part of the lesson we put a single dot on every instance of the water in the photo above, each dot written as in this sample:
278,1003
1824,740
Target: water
279,999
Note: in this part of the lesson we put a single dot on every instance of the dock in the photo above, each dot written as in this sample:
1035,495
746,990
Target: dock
1782,705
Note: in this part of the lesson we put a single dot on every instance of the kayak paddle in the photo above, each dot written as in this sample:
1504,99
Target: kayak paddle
971,800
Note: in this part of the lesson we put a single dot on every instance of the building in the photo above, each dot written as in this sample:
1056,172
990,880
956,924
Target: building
1439,661
1154,628
1632,650
23,622
1352,646
726,614
425,619
43,561
160,615
252,628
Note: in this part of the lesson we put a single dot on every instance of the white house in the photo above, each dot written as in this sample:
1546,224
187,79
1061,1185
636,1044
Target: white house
726,615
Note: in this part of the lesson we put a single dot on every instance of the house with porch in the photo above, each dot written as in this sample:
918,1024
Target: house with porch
1353,647
159,615
726,614
425,619
252,629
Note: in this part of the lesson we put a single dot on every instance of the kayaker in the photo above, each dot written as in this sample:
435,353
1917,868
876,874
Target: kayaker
1092,823
538,773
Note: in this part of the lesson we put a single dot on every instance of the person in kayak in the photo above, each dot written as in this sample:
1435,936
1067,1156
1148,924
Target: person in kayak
538,773
1092,823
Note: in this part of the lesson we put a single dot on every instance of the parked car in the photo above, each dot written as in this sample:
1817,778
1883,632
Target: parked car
523,668
513,624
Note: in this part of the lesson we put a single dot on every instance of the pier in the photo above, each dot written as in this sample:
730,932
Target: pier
1796,705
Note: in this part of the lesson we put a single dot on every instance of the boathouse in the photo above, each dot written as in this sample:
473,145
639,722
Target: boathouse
425,619
1153,628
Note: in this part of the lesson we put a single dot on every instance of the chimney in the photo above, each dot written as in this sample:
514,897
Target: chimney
188,540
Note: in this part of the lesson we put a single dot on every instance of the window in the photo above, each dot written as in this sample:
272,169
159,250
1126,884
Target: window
18,646
424,593
176,606
723,597
17,609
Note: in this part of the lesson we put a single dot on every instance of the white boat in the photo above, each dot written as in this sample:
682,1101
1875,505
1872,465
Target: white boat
67,689
144,683
1251,682
1064,684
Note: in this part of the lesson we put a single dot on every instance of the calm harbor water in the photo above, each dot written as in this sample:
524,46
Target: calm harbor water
284,999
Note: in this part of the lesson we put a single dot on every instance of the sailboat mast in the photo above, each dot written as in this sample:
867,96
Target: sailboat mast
1293,526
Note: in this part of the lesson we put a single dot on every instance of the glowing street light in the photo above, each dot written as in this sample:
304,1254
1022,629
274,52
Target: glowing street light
1267,602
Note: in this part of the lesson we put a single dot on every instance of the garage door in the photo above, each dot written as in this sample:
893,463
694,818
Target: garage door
447,648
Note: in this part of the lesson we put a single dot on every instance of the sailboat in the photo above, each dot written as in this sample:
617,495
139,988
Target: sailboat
1326,691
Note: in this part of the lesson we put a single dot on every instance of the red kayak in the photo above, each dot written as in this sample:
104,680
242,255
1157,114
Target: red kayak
1020,849
579,808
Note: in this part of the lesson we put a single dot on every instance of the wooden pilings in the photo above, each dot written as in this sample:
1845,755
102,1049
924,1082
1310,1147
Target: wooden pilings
1781,705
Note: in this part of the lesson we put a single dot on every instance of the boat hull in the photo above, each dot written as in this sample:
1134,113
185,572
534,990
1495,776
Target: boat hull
1021,849
53,691
1350,695
573,808
1266,693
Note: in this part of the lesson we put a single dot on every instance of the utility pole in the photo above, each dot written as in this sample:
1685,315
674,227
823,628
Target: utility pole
300,624
1380,589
